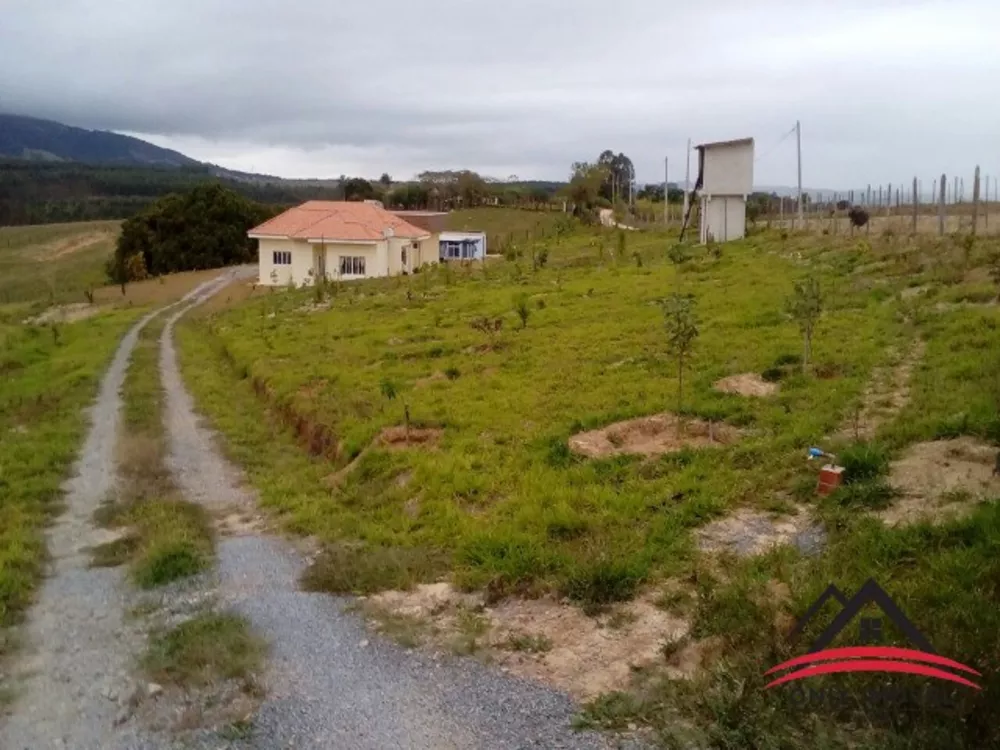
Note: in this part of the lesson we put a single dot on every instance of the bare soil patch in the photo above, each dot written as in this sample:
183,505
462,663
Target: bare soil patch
748,532
400,437
746,384
888,392
70,313
653,436
540,639
941,480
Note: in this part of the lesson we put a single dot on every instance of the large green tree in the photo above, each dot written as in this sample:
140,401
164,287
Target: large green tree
618,175
205,227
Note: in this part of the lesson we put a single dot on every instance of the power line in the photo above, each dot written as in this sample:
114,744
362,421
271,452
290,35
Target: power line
775,146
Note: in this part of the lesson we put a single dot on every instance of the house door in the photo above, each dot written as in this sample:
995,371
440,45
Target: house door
319,262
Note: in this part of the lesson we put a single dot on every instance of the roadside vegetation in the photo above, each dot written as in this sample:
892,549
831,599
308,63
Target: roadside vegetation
48,375
492,496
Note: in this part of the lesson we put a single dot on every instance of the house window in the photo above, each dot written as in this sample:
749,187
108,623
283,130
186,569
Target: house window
402,256
352,265
282,257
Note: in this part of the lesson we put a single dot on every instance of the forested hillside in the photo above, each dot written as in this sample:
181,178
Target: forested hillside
34,192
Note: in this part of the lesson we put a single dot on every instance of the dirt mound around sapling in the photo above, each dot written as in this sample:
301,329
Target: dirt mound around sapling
942,480
545,639
653,436
400,437
748,532
746,384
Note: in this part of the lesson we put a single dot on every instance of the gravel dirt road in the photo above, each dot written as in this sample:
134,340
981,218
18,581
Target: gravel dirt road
330,683
74,678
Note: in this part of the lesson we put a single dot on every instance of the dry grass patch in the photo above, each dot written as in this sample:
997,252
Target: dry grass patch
941,480
543,639
746,384
653,436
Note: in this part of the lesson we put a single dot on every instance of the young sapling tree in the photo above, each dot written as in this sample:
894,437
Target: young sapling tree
682,329
522,309
805,306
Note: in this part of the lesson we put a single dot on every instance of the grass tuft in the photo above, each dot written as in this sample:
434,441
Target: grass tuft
863,462
361,569
204,649
604,582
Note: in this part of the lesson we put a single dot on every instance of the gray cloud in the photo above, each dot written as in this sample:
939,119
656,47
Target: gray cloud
885,89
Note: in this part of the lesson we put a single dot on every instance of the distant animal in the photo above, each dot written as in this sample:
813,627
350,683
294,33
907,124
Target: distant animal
858,216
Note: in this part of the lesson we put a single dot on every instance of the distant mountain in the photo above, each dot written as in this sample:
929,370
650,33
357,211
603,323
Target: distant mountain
44,140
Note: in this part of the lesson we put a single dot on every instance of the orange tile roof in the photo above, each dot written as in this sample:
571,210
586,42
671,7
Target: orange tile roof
337,220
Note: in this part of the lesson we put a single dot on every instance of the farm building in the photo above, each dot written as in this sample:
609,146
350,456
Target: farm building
462,245
725,181
340,240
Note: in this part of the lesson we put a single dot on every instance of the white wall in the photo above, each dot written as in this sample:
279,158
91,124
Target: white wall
728,170
723,218
297,271
381,258
376,260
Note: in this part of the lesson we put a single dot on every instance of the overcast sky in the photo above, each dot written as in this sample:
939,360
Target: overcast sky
885,89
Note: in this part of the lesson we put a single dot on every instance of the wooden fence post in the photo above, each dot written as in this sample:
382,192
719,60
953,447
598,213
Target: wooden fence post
944,187
915,205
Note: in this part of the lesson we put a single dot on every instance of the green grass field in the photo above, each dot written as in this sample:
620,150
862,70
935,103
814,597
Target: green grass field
501,503
56,263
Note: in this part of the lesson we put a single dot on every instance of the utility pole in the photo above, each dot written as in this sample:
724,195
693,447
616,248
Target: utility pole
798,150
687,178
666,190
941,201
975,199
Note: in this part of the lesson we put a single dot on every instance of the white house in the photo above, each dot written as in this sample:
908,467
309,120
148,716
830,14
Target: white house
725,181
340,239
462,245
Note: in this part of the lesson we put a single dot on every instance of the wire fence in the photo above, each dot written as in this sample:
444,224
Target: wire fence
943,205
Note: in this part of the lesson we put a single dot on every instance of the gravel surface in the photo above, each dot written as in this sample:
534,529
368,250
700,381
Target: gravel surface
73,681
330,684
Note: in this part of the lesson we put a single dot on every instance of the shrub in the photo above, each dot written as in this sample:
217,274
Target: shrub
863,462
773,374
788,359
452,373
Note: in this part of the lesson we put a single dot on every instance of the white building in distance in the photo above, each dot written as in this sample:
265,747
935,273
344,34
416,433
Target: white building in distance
725,181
